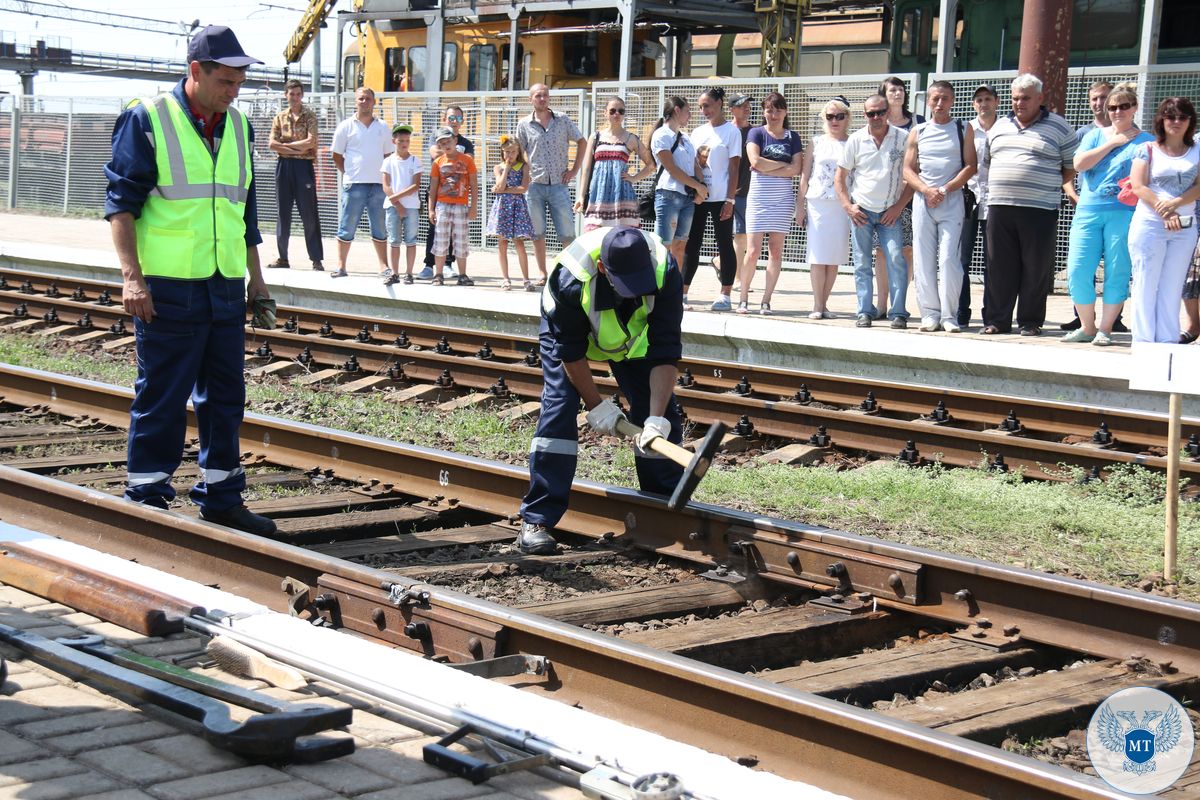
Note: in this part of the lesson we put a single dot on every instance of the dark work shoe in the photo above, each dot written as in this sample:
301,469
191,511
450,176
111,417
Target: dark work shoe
535,540
863,321
1073,324
318,266
279,263
242,519
1120,327
899,323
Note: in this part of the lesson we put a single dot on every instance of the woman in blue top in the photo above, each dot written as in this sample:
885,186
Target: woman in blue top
1101,223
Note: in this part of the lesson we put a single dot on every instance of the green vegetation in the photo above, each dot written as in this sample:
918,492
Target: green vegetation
1109,531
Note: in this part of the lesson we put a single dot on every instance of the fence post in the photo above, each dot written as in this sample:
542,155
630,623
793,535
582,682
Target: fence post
67,165
14,151
482,172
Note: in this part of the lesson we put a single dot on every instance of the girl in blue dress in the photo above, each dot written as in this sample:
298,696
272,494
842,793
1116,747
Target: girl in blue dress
509,218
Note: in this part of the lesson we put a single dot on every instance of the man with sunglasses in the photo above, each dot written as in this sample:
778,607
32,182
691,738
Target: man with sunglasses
874,160
452,118
615,295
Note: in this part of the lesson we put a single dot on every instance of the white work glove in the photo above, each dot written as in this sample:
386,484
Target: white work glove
604,418
654,428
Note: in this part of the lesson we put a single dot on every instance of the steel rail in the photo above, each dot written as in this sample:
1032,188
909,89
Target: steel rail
882,432
977,410
837,747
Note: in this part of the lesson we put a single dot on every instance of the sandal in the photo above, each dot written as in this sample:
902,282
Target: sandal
530,287
743,308
438,280
1185,337
765,309
463,280
505,285
540,282
990,330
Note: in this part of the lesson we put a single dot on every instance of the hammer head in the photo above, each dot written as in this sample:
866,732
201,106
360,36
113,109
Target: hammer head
698,466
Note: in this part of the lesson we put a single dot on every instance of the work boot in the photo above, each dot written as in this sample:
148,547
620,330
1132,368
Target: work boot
535,540
242,519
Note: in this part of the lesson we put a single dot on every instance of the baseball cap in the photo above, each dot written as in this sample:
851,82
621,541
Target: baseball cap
401,129
627,262
739,99
984,87
444,133
217,43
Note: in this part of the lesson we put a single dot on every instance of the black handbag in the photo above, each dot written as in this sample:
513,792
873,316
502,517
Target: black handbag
646,201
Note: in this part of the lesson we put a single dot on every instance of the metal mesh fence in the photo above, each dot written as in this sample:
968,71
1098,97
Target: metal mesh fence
1154,84
806,98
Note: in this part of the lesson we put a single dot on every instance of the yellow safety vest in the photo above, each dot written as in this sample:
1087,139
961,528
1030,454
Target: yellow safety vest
193,223
610,340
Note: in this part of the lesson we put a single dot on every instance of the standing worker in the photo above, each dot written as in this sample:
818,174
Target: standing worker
184,219
615,295
294,138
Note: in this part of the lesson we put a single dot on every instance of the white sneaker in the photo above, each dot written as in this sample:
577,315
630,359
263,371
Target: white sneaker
815,315
929,324
949,326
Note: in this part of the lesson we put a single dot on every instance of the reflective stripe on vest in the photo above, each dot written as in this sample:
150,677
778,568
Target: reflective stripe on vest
193,222
610,340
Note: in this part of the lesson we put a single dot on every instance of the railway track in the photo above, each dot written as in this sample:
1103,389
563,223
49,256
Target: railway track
761,405
746,648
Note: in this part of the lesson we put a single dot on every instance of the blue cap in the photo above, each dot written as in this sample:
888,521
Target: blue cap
626,257
217,43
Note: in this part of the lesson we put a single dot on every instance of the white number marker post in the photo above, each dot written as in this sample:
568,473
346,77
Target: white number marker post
1175,370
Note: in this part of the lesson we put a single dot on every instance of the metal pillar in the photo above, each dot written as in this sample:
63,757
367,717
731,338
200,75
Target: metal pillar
435,43
337,61
1046,47
514,63
27,81
628,15
67,162
947,25
316,76
14,150
1151,22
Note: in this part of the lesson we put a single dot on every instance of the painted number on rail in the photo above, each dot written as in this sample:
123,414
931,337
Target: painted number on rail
444,477
716,373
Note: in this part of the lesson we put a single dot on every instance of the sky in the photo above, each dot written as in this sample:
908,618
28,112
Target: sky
263,29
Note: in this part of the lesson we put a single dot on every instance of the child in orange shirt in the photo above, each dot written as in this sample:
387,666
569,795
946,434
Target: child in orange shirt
451,205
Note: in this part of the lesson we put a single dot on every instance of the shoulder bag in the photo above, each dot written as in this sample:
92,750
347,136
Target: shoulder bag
1126,194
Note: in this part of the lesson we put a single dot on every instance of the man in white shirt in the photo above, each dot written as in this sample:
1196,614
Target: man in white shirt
874,161
360,144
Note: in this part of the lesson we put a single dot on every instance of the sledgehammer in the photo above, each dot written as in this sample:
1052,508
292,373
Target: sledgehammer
694,464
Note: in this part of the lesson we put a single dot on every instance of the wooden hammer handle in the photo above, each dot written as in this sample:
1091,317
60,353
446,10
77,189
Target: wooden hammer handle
660,445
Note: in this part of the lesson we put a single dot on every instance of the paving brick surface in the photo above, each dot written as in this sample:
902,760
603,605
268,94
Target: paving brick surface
218,783
289,790
77,723
41,769
134,765
192,753
68,787
108,737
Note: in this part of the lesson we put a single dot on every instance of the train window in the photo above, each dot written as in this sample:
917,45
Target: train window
393,69
481,68
504,61
1178,24
1103,24
910,31
351,73
579,54
417,67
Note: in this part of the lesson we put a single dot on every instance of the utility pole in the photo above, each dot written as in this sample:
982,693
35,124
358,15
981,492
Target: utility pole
1046,47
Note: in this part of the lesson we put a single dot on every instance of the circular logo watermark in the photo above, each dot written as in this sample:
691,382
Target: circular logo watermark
1140,740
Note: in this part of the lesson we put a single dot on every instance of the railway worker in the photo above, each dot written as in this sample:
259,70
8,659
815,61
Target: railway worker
873,159
976,196
452,118
360,144
181,203
546,139
1030,157
294,139
938,161
615,295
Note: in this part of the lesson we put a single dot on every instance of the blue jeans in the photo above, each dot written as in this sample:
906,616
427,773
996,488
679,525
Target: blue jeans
355,198
864,274
672,215
406,220
558,199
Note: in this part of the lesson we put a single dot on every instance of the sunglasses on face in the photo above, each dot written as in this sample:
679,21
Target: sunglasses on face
1120,107
1176,118
874,114
616,111
454,118
831,117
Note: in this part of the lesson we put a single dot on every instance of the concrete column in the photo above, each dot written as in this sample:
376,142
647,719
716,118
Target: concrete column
316,48
514,62
1046,47
14,151
435,42
946,29
27,81
337,61
1151,21
628,14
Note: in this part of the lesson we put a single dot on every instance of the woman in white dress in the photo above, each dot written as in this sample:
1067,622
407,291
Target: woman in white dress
818,205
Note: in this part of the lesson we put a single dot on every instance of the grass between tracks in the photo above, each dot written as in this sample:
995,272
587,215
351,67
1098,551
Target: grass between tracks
1109,531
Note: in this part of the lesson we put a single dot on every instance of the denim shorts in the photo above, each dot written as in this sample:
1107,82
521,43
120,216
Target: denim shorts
406,219
672,215
355,198
558,199
739,214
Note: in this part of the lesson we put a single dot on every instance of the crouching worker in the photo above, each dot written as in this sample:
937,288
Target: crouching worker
615,295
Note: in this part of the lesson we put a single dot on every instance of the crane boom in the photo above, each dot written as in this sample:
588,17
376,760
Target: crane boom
310,23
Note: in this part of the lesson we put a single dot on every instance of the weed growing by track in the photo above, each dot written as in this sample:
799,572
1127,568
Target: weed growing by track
1108,531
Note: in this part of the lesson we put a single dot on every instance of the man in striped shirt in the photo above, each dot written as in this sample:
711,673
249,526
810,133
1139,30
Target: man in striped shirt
1030,155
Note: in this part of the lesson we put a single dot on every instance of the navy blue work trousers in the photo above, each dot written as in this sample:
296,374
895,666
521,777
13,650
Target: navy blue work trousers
194,347
295,182
554,451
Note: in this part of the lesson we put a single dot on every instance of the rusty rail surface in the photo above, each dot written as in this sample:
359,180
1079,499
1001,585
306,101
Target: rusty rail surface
787,404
